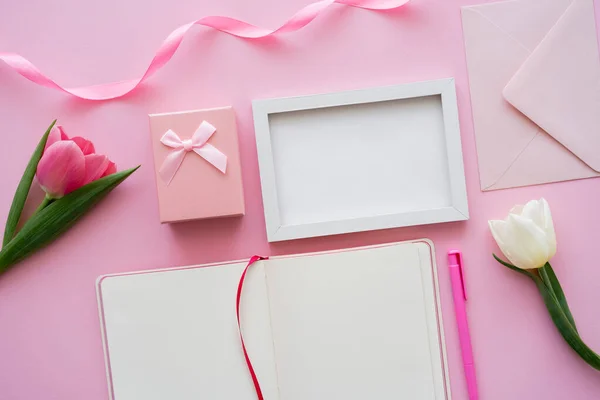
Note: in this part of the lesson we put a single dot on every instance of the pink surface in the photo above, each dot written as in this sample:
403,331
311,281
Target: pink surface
51,346
198,189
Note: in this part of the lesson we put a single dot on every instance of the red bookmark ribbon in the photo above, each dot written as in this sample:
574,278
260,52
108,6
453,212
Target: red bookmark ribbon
254,259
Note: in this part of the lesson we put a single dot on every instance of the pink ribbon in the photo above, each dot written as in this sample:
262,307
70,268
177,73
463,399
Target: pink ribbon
198,144
228,25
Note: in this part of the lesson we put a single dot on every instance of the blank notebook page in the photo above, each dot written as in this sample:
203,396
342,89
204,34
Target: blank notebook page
357,325
172,335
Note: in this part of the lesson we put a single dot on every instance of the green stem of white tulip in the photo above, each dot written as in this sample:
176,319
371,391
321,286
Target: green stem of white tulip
556,303
549,278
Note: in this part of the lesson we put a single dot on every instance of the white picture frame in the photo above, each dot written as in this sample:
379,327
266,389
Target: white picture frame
360,160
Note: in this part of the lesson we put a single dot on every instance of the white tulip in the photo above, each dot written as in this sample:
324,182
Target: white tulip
526,236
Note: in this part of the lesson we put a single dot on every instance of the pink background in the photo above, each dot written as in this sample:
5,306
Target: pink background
50,346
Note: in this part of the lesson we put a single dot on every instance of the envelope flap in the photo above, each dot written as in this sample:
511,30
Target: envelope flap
558,86
525,22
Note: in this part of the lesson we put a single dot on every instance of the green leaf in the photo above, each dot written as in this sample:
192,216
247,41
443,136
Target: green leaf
56,218
23,189
549,277
564,326
519,270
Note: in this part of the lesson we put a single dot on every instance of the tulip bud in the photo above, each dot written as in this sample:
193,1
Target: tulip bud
61,169
67,164
526,237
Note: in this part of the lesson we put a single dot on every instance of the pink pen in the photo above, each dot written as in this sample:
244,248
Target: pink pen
460,298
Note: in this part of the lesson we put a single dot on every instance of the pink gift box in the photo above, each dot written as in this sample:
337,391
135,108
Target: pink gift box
198,189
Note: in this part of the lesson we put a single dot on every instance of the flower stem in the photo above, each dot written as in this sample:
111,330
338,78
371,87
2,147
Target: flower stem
45,203
566,330
549,278
556,303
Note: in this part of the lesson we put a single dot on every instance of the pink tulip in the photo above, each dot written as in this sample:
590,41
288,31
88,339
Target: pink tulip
67,164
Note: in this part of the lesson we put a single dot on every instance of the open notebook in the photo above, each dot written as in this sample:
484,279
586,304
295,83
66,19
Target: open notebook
353,324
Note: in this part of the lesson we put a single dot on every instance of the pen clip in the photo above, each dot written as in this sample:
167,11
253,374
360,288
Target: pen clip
462,275
455,261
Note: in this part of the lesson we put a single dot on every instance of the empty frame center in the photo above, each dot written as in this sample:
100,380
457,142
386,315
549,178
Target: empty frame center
360,160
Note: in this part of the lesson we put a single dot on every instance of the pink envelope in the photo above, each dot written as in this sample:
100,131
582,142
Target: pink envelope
198,189
534,72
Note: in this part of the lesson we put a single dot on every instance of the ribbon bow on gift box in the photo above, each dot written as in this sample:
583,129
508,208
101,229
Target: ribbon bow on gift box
198,144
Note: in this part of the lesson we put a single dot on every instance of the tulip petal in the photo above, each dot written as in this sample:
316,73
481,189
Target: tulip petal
529,247
506,237
518,209
503,235
111,169
549,227
500,231
95,166
57,134
533,211
538,211
85,145
61,169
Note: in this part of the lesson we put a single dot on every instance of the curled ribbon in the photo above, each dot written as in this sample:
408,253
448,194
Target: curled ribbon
198,144
170,45
238,300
